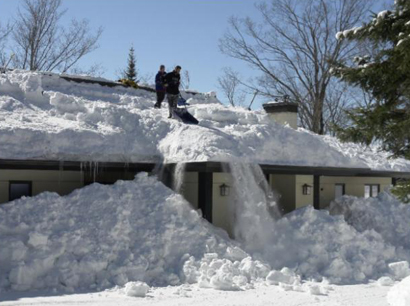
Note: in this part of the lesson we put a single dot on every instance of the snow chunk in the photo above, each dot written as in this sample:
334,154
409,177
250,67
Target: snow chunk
383,14
136,289
37,240
400,269
285,276
385,281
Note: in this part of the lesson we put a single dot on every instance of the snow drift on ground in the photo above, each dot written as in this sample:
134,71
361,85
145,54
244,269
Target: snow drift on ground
140,231
383,214
317,245
64,120
399,295
101,236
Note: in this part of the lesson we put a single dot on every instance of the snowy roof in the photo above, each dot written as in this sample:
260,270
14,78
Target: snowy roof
45,116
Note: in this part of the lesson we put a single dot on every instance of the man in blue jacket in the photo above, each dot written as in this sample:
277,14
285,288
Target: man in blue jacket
159,86
171,82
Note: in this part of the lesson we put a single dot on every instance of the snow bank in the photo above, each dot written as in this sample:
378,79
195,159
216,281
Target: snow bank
317,245
399,295
383,214
65,120
133,234
102,236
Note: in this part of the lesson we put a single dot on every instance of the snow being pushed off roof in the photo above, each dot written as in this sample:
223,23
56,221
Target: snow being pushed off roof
46,117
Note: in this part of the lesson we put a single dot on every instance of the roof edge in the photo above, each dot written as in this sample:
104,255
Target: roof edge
194,167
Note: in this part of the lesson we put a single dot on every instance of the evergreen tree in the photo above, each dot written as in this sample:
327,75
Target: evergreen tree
386,75
131,73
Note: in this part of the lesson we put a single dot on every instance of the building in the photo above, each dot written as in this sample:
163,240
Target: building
206,183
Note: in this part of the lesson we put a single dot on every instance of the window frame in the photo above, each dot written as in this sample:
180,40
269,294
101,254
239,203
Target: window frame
30,184
371,195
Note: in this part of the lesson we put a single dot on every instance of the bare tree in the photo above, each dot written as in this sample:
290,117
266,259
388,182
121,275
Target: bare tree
293,47
40,43
185,80
95,70
4,32
230,83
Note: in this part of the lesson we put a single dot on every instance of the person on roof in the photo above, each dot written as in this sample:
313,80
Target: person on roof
171,82
159,86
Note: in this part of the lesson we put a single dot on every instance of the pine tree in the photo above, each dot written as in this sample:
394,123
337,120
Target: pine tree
386,75
131,73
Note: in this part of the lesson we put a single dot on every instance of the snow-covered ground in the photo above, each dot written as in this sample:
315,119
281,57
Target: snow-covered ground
64,120
352,295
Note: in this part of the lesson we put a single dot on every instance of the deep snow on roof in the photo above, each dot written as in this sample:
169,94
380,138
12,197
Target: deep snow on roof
46,117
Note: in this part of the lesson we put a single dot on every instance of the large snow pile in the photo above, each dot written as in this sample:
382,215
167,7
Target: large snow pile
140,231
101,236
317,245
383,214
65,120
399,295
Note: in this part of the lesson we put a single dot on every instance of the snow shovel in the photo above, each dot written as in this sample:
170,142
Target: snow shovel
183,114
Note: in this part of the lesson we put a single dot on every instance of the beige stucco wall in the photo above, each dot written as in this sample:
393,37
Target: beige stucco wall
62,182
285,118
222,206
289,187
301,199
353,186
190,188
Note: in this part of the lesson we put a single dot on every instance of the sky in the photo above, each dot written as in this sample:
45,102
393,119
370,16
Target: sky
169,32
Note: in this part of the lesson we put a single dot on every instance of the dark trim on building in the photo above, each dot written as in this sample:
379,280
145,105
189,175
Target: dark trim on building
205,186
301,170
316,192
30,183
194,167
280,107
73,165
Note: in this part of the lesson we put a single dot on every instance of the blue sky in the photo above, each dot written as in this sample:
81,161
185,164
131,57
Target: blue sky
183,32
170,32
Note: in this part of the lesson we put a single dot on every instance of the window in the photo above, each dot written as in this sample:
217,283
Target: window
339,190
371,190
18,189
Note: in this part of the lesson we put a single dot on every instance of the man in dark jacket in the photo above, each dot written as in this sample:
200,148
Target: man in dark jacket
171,82
159,86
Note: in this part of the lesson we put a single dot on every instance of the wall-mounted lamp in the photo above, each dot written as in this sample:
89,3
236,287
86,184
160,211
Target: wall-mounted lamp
306,189
224,190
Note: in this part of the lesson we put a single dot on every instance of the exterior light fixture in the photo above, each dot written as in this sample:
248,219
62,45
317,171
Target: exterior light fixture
224,190
306,189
